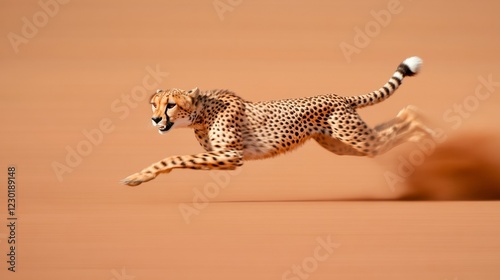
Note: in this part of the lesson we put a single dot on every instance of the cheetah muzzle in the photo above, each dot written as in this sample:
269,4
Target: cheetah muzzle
167,127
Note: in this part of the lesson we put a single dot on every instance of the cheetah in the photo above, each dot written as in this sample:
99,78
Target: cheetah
232,130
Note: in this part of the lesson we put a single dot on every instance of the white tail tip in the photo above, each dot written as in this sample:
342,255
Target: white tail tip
414,63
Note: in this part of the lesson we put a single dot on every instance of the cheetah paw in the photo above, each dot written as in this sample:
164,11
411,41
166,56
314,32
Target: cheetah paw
138,178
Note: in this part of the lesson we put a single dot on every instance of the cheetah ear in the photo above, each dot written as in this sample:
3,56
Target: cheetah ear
193,93
186,101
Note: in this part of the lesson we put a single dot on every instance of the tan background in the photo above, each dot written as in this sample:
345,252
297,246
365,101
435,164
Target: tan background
65,79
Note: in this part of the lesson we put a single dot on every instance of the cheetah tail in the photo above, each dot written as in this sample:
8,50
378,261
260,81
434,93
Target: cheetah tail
409,67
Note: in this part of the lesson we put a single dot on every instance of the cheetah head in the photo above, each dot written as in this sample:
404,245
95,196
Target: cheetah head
173,108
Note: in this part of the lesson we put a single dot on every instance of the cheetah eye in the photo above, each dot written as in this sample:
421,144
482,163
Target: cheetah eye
154,105
171,105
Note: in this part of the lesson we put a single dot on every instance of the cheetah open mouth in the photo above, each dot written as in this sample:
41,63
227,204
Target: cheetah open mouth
165,128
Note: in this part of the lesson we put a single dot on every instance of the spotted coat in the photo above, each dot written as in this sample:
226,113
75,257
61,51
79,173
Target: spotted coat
232,130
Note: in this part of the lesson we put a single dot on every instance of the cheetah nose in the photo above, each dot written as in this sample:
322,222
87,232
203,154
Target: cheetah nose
156,120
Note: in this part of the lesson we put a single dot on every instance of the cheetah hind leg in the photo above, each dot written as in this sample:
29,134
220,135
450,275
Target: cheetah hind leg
408,126
335,146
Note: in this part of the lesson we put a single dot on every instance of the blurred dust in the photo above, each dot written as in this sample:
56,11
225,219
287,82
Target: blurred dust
465,167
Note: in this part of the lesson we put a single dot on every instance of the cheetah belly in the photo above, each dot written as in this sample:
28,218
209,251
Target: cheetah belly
268,133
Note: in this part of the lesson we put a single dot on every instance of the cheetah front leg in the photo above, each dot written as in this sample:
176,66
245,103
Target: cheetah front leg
211,160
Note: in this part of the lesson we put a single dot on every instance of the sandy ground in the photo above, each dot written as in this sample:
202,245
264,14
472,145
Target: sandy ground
75,120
